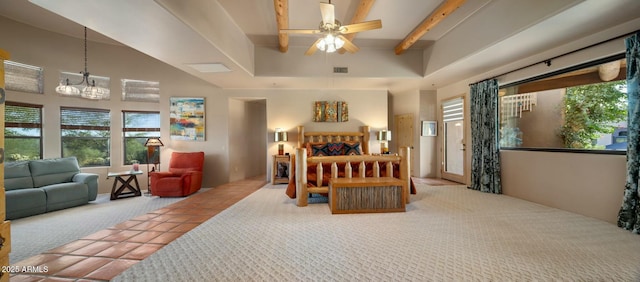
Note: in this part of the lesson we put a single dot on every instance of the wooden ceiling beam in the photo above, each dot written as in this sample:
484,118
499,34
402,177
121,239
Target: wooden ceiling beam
282,19
359,16
439,14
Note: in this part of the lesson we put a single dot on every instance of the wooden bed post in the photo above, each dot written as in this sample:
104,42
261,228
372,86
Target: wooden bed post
301,177
405,170
300,136
365,140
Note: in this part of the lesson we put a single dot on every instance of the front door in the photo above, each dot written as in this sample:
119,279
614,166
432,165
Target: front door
454,146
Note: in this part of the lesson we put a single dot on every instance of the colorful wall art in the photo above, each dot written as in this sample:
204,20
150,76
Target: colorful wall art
187,119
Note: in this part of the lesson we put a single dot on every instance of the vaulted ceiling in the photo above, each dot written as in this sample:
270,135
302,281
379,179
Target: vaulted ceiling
421,45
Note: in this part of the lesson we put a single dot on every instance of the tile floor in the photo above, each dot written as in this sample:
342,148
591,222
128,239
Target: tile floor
105,254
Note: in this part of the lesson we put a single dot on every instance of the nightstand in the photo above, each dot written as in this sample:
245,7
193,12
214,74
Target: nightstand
281,170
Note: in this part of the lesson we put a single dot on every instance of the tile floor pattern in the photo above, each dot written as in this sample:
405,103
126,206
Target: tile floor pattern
107,253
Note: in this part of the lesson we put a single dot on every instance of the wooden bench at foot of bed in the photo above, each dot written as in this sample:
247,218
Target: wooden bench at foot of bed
360,195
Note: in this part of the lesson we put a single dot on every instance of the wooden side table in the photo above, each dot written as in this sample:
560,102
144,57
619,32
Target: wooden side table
120,184
281,170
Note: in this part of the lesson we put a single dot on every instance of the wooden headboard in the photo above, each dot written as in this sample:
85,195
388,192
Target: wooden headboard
362,137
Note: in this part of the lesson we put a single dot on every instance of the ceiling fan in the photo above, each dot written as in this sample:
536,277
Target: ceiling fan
332,32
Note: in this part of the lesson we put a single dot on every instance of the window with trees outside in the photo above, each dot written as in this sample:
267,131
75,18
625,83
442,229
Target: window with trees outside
137,127
22,132
85,134
582,109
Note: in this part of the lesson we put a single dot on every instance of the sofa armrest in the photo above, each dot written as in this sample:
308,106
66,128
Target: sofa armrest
91,179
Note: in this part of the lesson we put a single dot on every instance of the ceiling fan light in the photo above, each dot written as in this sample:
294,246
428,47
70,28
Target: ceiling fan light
321,45
339,43
331,48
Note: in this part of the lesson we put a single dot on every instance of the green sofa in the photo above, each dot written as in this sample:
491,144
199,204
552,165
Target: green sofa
39,186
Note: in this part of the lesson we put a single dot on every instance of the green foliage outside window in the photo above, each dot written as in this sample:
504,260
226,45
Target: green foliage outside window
590,111
138,126
85,135
23,132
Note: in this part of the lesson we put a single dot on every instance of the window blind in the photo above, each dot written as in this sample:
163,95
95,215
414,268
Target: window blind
453,110
140,90
86,119
21,115
23,78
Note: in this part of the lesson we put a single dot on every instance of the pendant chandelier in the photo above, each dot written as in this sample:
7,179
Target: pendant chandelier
90,90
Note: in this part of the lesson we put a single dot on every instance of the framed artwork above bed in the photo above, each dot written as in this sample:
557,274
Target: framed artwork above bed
330,111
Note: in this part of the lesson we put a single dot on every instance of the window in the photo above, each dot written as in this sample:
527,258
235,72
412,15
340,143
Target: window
85,135
137,127
580,109
22,132
140,90
23,78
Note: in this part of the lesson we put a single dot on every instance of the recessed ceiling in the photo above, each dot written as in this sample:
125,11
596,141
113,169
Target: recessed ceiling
480,36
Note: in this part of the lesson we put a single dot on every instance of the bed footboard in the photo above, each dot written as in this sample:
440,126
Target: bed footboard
303,163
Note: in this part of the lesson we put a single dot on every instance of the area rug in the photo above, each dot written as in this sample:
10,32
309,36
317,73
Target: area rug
448,233
35,234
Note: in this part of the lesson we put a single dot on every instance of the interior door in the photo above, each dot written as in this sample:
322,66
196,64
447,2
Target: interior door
454,146
404,134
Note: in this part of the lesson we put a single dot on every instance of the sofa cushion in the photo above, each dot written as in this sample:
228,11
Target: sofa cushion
25,202
17,176
66,195
53,171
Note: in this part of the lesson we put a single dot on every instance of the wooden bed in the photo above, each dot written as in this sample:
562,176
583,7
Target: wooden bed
365,165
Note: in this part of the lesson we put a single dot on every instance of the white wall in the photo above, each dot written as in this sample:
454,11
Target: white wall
428,157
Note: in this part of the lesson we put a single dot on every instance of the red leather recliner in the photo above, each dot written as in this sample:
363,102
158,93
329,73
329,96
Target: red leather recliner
183,178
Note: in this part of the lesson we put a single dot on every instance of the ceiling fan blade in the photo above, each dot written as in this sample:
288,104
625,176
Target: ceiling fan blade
363,26
313,48
328,14
300,31
348,45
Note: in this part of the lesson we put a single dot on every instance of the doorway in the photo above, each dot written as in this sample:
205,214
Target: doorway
454,141
247,138
404,135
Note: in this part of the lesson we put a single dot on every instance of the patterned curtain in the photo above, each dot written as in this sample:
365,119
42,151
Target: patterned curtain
629,215
485,157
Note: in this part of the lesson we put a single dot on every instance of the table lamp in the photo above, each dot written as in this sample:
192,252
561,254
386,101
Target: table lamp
384,136
280,136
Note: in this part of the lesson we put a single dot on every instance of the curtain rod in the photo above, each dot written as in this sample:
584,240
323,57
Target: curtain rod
548,61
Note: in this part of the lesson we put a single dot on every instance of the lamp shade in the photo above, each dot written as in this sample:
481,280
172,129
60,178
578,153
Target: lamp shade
384,135
153,141
281,136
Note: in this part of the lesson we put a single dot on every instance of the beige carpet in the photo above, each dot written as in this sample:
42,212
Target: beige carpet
449,233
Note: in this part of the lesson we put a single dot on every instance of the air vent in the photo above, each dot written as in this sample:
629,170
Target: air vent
340,70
